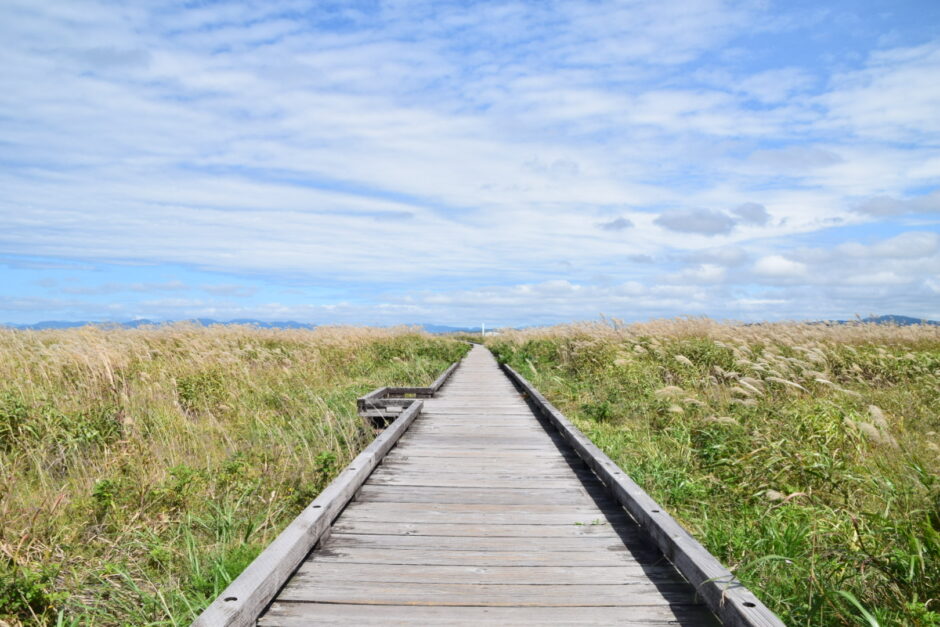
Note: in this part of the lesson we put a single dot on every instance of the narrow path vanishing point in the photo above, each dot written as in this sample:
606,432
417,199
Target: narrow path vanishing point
480,514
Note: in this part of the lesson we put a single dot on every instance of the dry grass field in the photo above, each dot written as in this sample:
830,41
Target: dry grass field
804,456
141,470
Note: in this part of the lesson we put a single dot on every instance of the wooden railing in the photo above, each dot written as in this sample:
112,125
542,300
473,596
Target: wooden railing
723,593
383,405
245,598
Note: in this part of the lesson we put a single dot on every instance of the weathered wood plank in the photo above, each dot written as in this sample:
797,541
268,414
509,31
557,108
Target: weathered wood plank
292,614
466,442
528,464
518,575
546,595
483,415
407,494
415,452
445,376
358,540
415,475
418,465
472,516
476,429
457,513
480,431
414,446
511,457
481,408
424,465
588,557
475,481
568,530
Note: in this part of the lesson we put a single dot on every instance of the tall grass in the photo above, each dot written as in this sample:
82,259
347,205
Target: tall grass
142,470
805,457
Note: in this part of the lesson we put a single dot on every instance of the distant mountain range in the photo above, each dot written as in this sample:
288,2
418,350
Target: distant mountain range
901,321
438,328
264,324
133,324
430,328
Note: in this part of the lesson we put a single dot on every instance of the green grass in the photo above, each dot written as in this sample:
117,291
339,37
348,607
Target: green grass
805,458
142,470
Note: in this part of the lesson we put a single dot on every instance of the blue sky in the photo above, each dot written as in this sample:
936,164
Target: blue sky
458,162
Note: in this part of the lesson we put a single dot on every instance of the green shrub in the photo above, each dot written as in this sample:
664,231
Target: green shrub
28,595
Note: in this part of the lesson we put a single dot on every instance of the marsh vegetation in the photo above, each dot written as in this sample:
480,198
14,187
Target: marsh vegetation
805,457
141,470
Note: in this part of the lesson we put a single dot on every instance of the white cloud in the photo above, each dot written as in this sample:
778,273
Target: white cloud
526,142
775,85
779,266
910,245
759,302
752,213
701,221
881,206
725,255
705,273
795,159
617,224
895,97
115,288
879,278
913,245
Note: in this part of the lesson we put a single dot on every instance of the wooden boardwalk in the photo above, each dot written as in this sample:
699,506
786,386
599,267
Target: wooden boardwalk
483,514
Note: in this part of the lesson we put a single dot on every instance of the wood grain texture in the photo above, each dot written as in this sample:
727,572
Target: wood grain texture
443,557
496,544
288,614
632,594
484,529
519,575
483,514
481,496
458,513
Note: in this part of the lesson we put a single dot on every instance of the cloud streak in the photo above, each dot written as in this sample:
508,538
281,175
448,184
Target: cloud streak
355,151
701,221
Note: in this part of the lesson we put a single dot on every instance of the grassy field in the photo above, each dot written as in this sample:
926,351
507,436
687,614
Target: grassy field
141,470
805,457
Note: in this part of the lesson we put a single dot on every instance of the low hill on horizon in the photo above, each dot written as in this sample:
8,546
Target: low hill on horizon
436,329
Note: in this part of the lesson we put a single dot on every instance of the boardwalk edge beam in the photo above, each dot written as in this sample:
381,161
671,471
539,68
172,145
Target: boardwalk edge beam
727,597
246,597
382,404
